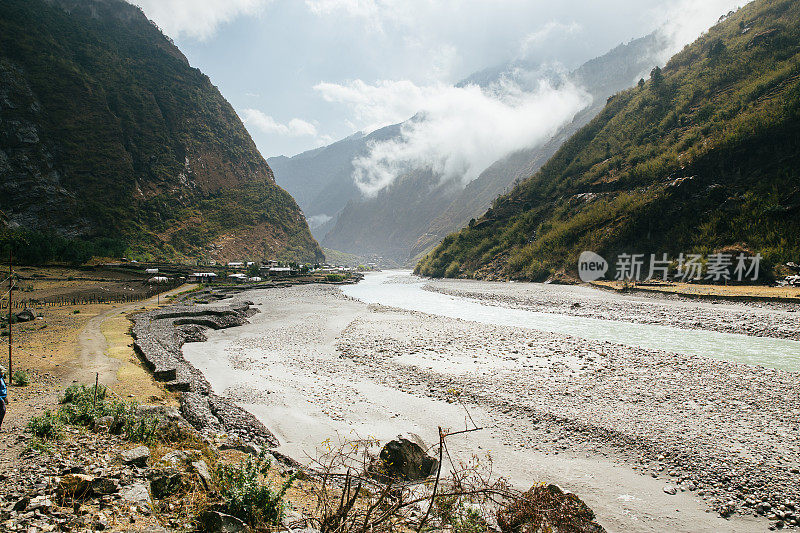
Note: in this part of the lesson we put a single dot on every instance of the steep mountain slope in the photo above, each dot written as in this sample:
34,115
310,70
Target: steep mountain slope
703,156
111,143
394,218
404,234
602,77
321,180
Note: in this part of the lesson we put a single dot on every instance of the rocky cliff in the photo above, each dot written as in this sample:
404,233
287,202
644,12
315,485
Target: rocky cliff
111,143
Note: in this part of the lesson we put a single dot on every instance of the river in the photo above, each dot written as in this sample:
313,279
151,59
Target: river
403,290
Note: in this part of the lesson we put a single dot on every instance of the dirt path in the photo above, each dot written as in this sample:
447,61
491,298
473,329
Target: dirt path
93,357
69,349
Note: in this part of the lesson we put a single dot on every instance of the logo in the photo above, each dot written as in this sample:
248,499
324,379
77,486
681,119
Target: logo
591,267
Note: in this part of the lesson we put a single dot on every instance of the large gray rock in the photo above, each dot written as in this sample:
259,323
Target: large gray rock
26,316
174,458
136,493
137,456
201,468
404,460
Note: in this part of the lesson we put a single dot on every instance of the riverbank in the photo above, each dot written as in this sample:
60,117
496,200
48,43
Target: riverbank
624,428
761,319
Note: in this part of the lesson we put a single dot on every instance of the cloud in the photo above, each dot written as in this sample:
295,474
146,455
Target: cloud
457,132
197,19
540,37
386,102
686,20
294,128
318,220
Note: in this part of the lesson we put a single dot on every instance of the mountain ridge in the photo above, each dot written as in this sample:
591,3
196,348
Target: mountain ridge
702,157
602,76
112,143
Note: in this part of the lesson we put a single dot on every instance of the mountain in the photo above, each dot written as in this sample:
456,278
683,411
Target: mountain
322,180
602,77
408,218
111,144
702,157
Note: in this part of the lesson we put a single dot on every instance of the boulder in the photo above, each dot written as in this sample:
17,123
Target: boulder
215,522
39,502
104,486
166,482
546,508
26,316
174,458
245,447
404,460
136,493
201,468
137,456
104,424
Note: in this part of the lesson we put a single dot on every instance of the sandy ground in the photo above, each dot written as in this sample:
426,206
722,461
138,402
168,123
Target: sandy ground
617,425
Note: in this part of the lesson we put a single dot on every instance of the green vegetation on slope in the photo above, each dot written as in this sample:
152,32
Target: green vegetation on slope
108,133
704,155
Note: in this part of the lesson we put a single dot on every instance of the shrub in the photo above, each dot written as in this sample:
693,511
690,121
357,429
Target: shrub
248,496
334,277
37,445
45,427
459,515
79,407
21,378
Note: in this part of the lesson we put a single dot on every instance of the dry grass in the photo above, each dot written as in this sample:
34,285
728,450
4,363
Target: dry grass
45,345
724,291
134,381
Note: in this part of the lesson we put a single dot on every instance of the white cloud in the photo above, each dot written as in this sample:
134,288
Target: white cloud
540,37
386,102
318,220
197,19
686,20
375,12
458,131
265,123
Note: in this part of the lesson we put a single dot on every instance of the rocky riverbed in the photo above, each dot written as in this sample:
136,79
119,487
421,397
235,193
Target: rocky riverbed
650,439
725,432
777,320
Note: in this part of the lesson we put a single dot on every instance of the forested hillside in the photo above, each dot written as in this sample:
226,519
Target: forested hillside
111,144
702,156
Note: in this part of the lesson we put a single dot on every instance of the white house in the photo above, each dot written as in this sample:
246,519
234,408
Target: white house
202,276
151,271
235,264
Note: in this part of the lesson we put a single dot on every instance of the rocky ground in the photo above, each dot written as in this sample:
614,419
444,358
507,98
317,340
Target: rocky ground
764,319
92,480
726,434
729,433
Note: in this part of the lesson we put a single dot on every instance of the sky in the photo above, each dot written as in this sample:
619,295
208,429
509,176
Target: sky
304,73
